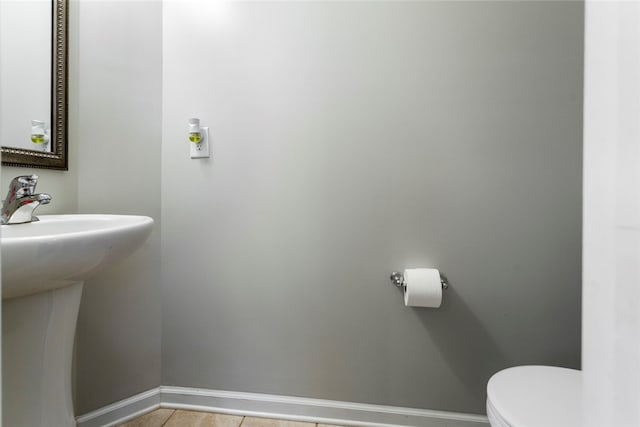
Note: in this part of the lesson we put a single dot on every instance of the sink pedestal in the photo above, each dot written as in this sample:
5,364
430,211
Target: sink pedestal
37,349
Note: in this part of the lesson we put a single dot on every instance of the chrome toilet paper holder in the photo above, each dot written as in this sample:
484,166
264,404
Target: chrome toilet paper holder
397,279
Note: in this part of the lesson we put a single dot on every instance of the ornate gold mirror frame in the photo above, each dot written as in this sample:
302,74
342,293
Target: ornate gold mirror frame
57,158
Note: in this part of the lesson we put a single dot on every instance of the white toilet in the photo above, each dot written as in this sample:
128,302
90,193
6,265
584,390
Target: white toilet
535,396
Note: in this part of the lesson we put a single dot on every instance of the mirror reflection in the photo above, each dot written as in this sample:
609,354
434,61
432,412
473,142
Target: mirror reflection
33,83
25,72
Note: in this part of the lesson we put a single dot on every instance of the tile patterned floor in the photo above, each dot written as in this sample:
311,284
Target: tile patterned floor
180,418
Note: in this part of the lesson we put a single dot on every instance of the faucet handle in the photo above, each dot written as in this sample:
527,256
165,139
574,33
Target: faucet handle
23,185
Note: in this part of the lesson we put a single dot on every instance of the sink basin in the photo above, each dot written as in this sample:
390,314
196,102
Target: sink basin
60,250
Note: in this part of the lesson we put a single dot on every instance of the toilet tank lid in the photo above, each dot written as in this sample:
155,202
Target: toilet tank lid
537,396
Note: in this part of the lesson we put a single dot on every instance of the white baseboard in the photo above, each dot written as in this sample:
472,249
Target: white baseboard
272,406
122,411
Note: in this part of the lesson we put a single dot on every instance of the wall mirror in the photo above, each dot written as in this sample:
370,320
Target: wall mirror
33,83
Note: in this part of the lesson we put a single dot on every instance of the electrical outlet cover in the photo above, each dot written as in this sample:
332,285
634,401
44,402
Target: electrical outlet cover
201,150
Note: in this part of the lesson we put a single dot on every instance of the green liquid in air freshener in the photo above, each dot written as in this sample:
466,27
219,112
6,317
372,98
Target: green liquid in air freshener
195,137
37,139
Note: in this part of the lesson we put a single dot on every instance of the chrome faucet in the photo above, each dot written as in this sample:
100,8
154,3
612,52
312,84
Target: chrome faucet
21,201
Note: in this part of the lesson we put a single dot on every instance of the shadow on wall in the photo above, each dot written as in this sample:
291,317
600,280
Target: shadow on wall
473,355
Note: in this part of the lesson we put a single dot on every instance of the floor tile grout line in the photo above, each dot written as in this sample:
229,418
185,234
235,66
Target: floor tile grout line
168,418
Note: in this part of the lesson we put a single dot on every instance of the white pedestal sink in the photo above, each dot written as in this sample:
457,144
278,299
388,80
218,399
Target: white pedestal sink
44,266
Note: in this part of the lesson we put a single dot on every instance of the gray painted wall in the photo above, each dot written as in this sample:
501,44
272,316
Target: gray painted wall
118,88
352,139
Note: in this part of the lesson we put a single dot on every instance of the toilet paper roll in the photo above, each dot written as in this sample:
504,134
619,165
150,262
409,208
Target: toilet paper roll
422,287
